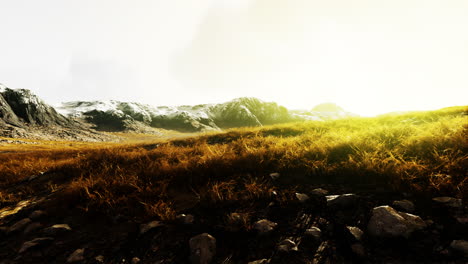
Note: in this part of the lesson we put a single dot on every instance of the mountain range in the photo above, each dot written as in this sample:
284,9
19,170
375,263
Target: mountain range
23,114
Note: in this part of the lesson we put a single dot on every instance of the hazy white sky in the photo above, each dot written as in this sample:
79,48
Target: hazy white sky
368,56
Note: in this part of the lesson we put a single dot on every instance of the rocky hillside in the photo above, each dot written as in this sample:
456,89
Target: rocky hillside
23,114
240,112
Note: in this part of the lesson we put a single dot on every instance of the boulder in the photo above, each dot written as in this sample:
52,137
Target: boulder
56,229
448,201
387,222
314,232
460,246
147,227
35,243
287,245
319,192
302,197
37,214
260,261
20,225
356,232
202,248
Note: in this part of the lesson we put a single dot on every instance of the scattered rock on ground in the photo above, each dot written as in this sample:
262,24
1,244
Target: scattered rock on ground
404,205
264,226
37,214
55,229
35,242
356,232
147,227
185,219
319,192
387,222
460,246
202,248
314,232
448,201
302,197
287,245
20,225
343,200
77,255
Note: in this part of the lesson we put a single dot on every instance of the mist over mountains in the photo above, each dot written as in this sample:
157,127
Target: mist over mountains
23,113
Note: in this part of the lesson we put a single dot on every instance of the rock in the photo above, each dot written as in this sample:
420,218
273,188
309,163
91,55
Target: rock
356,232
274,175
37,214
302,197
460,246
343,200
34,243
260,261
314,232
32,227
387,222
77,255
287,245
404,205
55,229
20,225
202,248
448,201
185,219
319,192
462,220
33,177
147,227
99,258
358,249
136,260
264,226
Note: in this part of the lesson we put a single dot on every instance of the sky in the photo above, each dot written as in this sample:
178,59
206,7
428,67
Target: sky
368,56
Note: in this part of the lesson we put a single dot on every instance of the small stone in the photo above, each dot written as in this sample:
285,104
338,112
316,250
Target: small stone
99,258
404,205
358,249
264,226
147,227
202,248
37,214
185,219
314,232
302,197
343,200
35,242
20,225
319,192
460,246
260,261
356,232
32,227
136,260
387,222
77,255
449,201
287,245
59,228
274,175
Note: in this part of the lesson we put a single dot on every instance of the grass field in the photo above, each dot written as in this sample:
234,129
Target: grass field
420,152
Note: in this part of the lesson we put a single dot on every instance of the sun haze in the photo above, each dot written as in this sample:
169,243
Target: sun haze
367,56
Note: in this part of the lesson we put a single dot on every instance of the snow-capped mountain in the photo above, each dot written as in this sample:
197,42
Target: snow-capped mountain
114,115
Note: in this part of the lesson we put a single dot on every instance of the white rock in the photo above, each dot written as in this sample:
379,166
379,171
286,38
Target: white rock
387,222
264,226
202,248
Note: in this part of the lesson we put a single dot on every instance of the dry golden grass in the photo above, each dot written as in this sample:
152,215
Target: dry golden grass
422,152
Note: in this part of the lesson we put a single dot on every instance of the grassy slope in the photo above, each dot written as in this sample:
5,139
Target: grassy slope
419,152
